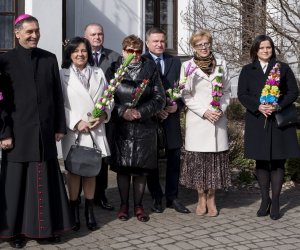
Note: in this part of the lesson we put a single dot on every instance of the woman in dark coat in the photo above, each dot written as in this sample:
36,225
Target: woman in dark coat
134,150
265,142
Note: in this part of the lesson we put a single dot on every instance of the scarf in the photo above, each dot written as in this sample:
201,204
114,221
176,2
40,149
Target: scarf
206,64
83,75
134,69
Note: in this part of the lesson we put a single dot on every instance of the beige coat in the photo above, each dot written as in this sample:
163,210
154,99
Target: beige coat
78,103
200,134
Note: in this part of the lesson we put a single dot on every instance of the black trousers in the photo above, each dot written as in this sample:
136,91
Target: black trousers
172,177
101,182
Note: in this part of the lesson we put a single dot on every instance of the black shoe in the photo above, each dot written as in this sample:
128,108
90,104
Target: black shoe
275,216
264,209
178,206
18,242
89,215
275,210
75,213
157,206
54,239
105,205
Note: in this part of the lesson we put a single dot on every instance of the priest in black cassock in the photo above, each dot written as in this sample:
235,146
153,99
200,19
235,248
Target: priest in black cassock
33,199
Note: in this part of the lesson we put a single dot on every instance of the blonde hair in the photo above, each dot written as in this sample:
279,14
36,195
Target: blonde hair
198,35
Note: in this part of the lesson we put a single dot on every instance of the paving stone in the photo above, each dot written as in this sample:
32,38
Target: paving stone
236,228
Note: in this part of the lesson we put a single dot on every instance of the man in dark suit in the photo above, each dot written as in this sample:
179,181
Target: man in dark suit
169,67
33,199
103,58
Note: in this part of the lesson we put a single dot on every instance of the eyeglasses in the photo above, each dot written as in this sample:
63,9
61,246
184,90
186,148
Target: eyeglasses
201,45
136,51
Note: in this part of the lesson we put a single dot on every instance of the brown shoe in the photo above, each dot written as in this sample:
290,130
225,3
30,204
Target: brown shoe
201,207
211,204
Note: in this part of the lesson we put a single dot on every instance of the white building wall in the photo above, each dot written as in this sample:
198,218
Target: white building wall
118,17
49,14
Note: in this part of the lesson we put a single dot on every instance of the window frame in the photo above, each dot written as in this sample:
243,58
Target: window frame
156,20
19,7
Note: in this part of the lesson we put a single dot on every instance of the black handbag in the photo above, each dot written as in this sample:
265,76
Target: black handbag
84,161
287,116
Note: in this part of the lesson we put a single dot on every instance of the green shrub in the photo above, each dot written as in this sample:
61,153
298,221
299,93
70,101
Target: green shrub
246,176
236,145
235,111
292,166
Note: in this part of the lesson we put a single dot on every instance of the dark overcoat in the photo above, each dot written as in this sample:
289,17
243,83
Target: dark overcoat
135,142
264,140
33,104
171,125
108,57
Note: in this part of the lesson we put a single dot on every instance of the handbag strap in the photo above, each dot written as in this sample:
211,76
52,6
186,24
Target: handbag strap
77,139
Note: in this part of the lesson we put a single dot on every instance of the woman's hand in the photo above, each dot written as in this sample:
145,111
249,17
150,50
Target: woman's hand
266,109
131,114
83,126
212,116
98,121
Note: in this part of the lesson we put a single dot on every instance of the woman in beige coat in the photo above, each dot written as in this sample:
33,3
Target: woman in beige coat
82,86
206,95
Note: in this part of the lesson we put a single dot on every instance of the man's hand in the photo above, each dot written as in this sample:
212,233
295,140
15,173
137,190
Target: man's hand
59,136
6,143
171,109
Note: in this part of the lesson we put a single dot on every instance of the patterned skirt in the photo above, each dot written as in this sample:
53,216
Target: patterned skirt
205,170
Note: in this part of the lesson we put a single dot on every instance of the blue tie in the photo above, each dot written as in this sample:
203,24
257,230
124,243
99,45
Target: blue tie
158,64
95,56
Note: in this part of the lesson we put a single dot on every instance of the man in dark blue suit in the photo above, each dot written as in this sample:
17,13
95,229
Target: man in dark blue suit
103,58
169,67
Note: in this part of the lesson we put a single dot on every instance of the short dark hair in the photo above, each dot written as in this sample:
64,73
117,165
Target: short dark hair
71,47
19,25
154,30
256,43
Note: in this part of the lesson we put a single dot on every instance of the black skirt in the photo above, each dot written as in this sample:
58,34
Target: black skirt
33,200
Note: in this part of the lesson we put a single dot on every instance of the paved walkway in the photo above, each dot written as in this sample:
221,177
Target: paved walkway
236,227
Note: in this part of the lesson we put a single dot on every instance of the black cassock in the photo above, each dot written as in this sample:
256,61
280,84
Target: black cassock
33,200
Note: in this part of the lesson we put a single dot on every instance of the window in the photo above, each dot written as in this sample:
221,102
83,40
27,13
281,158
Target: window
163,14
9,9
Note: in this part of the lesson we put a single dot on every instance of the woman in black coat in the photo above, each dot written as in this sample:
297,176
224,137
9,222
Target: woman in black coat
265,142
134,150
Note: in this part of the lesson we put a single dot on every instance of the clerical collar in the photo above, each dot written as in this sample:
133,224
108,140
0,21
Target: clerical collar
24,50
